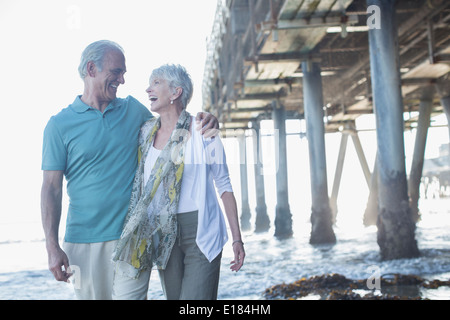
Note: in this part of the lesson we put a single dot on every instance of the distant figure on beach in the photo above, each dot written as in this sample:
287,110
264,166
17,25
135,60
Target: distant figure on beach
174,221
93,143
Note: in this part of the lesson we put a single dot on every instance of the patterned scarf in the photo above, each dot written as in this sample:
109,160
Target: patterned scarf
148,240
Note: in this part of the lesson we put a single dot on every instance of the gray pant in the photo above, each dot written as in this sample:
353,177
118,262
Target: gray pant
189,275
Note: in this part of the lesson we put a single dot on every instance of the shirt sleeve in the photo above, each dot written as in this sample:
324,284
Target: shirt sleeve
54,152
145,113
216,160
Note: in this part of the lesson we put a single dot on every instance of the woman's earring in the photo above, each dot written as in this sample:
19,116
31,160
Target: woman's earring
171,101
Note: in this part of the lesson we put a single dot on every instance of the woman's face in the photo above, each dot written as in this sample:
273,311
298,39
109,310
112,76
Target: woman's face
159,93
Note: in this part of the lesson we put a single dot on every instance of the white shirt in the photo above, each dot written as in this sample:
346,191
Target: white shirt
186,203
205,166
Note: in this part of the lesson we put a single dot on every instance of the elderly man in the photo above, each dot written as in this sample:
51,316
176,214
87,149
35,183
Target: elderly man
93,143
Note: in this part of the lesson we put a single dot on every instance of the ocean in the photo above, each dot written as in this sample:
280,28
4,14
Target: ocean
269,261
24,274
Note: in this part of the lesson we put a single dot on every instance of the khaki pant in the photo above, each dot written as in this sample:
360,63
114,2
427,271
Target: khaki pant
125,288
188,275
92,268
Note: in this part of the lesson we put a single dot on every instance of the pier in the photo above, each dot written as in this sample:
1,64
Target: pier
327,63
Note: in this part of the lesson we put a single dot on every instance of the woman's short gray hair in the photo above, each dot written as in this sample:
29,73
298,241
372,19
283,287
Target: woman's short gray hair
176,76
95,52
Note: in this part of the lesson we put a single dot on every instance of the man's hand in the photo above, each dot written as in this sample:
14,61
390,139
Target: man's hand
51,197
207,123
57,259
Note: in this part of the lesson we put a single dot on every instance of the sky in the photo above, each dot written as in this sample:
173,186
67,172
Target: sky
41,44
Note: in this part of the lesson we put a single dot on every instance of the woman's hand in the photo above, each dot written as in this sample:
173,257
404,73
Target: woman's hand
239,255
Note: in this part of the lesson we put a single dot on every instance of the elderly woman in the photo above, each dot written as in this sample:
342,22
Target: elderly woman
174,220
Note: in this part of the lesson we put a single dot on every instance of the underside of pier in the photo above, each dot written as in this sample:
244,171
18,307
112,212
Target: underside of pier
329,62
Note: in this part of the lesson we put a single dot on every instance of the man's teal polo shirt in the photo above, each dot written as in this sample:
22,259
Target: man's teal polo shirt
98,154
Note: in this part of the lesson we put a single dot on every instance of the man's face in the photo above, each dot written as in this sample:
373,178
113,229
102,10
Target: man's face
107,81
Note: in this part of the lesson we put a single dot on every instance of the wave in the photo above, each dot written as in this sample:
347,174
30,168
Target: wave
269,261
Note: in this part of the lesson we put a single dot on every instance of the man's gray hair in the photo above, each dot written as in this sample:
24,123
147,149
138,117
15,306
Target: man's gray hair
176,76
96,52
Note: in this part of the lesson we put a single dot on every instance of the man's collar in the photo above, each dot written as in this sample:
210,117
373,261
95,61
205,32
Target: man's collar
79,106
